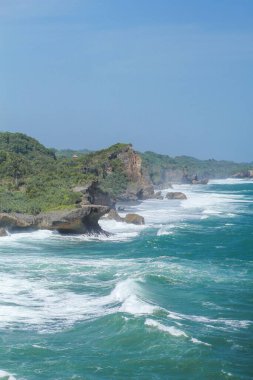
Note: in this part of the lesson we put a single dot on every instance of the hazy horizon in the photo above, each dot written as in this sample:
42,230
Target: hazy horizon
173,77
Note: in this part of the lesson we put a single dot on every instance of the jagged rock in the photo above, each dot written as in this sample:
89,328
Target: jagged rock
3,232
129,218
134,219
199,182
113,215
158,195
176,195
92,194
139,185
76,221
243,174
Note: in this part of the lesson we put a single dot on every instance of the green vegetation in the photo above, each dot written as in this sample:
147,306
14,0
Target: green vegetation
69,153
34,179
162,168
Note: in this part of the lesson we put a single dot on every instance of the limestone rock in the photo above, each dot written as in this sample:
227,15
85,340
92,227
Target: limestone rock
243,174
176,195
139,186
92,194
113,215
76,221
134,219
3,232
158,195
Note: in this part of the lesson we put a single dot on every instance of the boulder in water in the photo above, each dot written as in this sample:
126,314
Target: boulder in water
158,195
176,195
113,215
3,232
134,219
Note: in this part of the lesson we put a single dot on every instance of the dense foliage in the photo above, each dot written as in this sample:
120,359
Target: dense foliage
33,179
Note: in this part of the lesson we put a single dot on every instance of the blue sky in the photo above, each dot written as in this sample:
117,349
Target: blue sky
172,76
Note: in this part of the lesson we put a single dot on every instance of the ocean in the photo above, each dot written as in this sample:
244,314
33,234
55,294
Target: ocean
169,300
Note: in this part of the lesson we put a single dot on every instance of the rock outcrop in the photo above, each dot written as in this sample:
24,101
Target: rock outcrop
194,180
113,215
139,186
158,195
3,232
92,194
129,218
243,174
176,195
76,221
134,219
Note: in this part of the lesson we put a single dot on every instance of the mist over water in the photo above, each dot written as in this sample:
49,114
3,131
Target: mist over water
168,300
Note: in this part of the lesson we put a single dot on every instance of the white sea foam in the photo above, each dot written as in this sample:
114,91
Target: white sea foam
236,324
166,230
230,181
202,202
168,329
226,373
33,304
172,331
197,341
128,293
4,375
165,215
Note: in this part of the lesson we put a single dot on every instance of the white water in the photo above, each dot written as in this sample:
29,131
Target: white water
4,375
164,215
28,301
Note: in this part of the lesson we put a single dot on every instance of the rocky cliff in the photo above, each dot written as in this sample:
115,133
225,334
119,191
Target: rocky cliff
139,186
163,170
244,174
67,194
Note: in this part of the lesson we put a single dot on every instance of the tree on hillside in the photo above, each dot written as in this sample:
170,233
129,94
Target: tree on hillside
16,167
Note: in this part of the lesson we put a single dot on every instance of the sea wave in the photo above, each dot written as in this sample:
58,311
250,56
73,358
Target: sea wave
6,375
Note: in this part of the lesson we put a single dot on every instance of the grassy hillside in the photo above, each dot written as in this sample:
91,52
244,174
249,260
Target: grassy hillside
33,179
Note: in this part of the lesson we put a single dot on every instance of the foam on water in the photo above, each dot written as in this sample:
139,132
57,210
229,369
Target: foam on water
197,341
4,375
168,329
165,215
24,238
202,202
30,304
235,324
50,282
172,330
231,181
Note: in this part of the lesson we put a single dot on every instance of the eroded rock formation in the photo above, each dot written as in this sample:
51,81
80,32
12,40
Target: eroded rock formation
139,186
76,221
129,218
176,195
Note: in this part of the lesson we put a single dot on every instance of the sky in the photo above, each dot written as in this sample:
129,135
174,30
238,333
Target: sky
171,76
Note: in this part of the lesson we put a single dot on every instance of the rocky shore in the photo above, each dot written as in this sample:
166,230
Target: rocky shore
76,221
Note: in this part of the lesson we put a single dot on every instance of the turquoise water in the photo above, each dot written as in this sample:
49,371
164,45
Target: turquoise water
173,300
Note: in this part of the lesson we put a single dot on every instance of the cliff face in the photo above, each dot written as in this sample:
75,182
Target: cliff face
163,169
139,185
118,175
244,174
